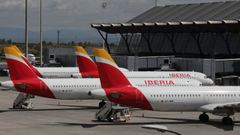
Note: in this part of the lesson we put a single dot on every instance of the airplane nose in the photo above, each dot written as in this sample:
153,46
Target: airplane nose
98,94
210,81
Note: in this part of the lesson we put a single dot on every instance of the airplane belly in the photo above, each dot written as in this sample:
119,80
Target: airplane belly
81,94
176,107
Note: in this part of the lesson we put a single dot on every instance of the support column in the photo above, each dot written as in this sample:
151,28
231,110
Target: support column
125,38
105,38
196,37
171,39
226,40
148,41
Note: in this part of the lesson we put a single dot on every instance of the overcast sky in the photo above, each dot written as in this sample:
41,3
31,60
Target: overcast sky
75,14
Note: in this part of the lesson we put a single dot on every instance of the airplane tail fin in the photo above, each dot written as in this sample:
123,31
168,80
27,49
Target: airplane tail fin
86,65
109,73
18,68
26,61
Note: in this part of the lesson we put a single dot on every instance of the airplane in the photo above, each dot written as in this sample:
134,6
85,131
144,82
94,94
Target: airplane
82,54
218,100
23,79
88,68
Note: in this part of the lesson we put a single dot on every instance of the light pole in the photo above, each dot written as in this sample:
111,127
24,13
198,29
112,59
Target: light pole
58,37
156,3
41,47
26,28
104,6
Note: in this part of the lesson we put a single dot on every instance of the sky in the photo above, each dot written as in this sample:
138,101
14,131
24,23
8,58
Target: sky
76,14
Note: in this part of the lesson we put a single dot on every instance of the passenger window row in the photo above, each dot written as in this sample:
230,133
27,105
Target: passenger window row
74,86
223,95
175,95
193,95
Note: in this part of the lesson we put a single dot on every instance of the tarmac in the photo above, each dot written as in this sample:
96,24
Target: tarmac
56,117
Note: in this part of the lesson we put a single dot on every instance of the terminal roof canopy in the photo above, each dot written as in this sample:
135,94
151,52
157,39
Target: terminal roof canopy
202,17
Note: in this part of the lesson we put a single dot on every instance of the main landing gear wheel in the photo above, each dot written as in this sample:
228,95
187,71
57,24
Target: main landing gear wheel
204,117
227,121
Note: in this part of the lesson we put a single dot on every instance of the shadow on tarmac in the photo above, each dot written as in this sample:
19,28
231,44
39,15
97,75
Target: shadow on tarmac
214,123
54,109
80,106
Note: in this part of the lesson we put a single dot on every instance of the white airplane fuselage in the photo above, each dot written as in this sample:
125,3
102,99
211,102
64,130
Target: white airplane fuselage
58,72
189,99
78,88
68,72
192,98
171,74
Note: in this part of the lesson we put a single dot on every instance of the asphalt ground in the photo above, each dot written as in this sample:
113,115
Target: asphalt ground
56,117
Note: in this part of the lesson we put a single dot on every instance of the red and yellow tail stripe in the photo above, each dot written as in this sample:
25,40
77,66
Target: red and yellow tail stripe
108,70
26,61
80,51
17,49
102,56
13,54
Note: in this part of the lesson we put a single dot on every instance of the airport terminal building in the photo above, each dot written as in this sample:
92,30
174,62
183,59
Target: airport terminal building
202,37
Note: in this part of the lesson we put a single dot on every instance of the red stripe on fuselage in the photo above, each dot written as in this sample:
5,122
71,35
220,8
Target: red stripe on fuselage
115,83
129,96
34,87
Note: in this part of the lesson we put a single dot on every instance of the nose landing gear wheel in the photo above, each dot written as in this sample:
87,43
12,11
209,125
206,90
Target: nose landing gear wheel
204,117
227,121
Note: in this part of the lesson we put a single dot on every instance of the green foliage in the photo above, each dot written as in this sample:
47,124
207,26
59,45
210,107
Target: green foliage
34,48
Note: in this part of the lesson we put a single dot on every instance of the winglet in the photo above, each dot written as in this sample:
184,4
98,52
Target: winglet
86,65
109,73
18,68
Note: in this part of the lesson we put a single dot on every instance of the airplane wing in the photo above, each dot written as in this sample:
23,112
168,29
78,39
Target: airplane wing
221,108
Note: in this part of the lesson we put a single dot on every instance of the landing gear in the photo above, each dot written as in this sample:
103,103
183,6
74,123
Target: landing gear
23,101
204,117
112,113
227,121
101,104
